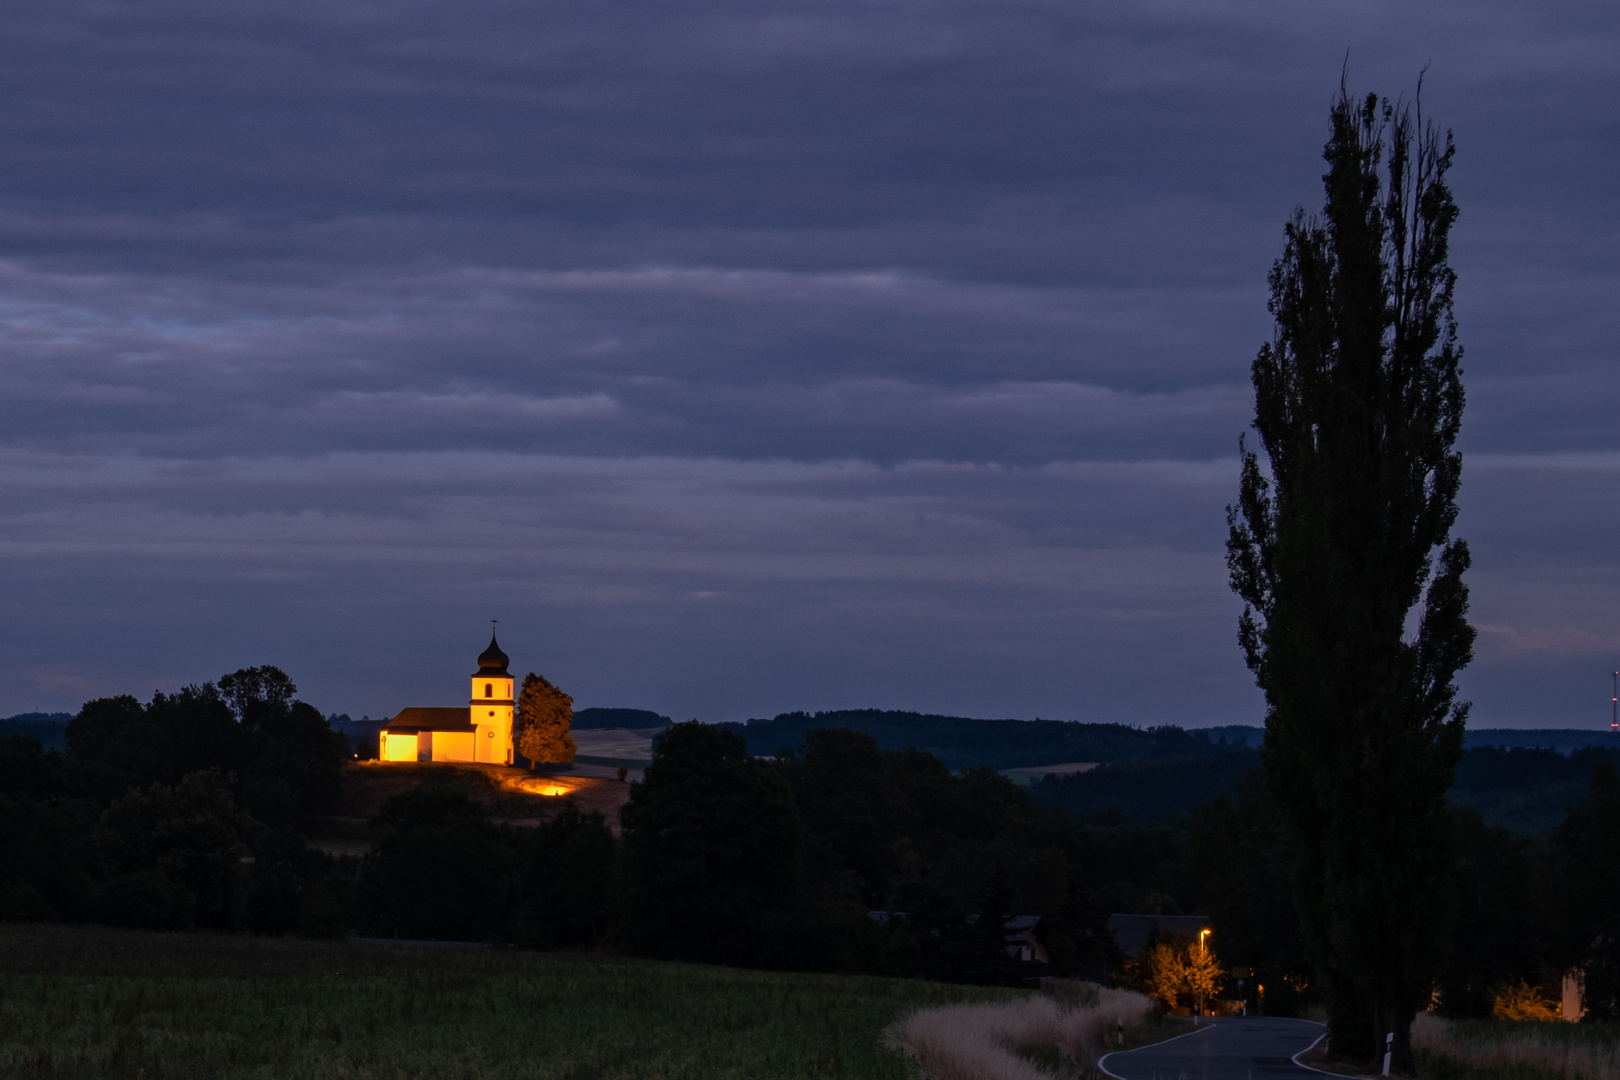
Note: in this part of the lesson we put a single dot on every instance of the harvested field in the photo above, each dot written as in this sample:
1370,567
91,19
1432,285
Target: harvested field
630,745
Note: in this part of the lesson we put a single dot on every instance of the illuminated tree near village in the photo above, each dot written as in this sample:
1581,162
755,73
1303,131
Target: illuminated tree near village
1182,973
544,714
1358,401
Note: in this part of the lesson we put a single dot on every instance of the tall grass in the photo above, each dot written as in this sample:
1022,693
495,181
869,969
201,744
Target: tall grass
991,1040
1515,1049
83,1003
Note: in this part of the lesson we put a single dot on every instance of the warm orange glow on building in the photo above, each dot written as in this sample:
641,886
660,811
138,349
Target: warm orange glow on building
481,732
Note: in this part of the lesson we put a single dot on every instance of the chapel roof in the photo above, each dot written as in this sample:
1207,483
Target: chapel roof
430,718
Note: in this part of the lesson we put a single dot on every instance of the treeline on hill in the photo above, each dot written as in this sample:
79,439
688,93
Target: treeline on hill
183,811
730,859
1527,790
1522,779
963,743
48,729
837,854
1147,790
636,719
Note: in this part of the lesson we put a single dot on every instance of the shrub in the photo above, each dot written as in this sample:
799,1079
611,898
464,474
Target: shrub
1524,1002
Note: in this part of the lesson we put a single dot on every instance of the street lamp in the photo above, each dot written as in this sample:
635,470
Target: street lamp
1203,951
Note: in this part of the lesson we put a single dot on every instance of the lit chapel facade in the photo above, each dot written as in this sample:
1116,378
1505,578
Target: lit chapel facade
480,732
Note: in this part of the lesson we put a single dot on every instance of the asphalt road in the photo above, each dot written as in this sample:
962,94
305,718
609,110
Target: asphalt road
1231,1048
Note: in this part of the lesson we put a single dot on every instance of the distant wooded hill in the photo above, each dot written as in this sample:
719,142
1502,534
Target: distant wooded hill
1528,789
50,729
1521,779
1147,790
636,719
1562,739
996,744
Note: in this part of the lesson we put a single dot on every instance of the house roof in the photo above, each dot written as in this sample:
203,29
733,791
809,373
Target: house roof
1131,932
430,718
1019,927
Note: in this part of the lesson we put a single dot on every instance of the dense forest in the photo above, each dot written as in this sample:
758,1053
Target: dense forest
837,852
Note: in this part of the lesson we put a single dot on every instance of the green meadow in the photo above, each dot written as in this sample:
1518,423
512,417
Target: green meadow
91,1002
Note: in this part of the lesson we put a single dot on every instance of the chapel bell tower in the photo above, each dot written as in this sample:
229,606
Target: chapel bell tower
491,707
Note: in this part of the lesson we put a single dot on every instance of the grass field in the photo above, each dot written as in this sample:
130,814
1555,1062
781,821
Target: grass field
91,1002
1515,1050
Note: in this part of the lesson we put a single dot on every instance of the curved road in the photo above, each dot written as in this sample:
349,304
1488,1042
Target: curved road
1252,1048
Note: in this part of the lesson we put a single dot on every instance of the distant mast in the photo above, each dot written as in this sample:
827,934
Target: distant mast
1614,702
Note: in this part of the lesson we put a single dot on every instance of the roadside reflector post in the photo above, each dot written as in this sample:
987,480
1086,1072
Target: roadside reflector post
1389,1049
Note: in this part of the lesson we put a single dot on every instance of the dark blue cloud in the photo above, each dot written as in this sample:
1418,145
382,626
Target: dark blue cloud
746,356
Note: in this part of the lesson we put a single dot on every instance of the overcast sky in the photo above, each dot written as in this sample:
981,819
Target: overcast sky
747,356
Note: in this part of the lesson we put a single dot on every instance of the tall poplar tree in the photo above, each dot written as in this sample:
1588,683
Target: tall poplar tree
545,717
1358,401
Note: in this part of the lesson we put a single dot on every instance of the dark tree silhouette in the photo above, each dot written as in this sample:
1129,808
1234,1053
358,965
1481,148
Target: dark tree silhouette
712,845
568,882
1589,843
174,854
1358,401
440,870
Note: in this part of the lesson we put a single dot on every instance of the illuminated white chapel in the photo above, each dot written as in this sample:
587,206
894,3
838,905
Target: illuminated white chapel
480,731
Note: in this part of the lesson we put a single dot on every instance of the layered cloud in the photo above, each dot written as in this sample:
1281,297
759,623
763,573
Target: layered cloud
745,357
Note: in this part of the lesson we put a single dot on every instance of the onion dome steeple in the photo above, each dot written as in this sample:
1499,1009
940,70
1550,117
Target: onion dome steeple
492,662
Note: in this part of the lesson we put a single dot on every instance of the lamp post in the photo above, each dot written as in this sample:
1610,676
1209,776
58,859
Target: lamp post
1203,952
